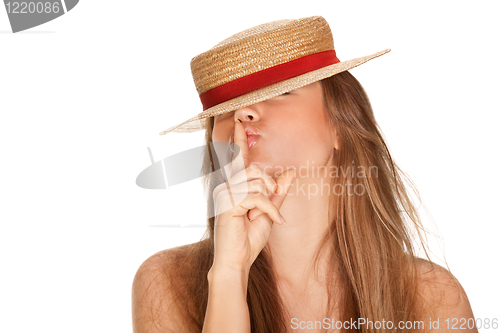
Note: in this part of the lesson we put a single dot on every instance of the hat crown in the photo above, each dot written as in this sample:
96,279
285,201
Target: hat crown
259,48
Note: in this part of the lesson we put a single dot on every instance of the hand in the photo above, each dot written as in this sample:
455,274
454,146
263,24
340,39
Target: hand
246,207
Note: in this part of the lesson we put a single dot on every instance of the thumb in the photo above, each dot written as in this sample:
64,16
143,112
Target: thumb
283,182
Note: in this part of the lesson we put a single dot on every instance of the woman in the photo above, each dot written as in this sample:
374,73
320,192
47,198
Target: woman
311,154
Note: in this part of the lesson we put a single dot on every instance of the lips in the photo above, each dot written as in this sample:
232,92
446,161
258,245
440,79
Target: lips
252,137
252,140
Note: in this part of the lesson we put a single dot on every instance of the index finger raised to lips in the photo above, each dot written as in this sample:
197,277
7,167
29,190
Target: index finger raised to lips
240,139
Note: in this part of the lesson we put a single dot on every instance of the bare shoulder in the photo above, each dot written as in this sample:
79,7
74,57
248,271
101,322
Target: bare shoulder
154,306
442,297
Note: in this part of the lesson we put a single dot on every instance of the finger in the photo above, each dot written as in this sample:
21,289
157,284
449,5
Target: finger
284,181
227,199
261,202
240,139
251,173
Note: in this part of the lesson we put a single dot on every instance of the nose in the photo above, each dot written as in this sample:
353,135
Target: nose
248,114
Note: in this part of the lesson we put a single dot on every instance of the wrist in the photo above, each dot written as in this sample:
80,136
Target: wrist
228,274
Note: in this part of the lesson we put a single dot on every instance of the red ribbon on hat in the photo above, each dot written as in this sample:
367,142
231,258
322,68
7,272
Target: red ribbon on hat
267,77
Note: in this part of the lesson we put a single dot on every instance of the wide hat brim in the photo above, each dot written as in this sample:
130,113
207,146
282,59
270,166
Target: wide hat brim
197,122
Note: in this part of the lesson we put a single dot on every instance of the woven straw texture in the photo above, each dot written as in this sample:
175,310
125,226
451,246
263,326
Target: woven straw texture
259,48
256,49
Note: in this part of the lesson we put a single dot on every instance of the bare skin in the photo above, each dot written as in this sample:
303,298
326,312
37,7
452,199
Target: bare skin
296,126
294,132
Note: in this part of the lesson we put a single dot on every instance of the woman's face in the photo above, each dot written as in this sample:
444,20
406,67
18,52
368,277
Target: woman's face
294,130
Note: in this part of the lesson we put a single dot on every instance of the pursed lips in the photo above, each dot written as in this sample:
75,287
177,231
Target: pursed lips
252,137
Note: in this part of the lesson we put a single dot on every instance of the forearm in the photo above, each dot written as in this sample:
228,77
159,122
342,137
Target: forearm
227,308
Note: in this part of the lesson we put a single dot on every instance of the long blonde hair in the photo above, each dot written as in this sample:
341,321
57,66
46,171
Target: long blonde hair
372,234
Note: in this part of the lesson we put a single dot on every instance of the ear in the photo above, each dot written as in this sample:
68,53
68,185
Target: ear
336,139
333,127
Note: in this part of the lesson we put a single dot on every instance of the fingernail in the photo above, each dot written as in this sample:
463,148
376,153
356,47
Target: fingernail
283,219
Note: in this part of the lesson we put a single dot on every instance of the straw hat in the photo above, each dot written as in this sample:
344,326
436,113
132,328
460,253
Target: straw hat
261,63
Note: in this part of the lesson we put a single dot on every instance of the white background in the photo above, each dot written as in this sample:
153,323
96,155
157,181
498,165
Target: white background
83,96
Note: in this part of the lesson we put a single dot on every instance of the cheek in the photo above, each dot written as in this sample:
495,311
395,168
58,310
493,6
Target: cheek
221,131
315,140
296,139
